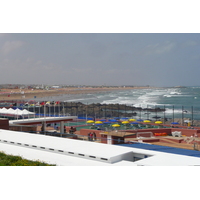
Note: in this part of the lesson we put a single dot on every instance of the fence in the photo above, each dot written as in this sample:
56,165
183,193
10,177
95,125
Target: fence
93,111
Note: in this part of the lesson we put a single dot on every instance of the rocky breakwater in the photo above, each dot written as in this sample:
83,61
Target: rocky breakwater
105,110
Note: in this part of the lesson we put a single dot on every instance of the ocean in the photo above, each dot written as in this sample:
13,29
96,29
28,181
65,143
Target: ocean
178,102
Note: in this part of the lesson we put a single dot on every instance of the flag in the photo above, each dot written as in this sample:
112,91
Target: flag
42,103
48,103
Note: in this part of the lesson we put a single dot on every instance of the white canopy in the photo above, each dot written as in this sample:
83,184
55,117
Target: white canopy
18,112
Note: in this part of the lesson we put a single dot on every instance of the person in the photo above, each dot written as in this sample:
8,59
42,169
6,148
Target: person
71,130
74,129
94,136
64,129
42,128
91,136
55,126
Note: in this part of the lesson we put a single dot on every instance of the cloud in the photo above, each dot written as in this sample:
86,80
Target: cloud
160,48
189,43
10,46
2,35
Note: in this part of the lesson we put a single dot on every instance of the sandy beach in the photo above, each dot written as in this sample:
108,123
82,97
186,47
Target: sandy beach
26,94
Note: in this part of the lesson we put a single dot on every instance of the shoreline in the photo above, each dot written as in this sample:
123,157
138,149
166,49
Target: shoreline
27,94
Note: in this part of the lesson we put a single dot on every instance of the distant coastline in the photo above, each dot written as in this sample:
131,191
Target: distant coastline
26,94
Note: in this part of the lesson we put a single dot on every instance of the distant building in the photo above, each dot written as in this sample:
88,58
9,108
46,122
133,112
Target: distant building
55,86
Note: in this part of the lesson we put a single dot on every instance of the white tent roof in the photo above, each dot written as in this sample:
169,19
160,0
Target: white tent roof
3,110
26,112
11,111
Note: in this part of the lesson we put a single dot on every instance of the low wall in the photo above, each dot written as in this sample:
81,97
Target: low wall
161,130
25,128
187,132
114,139
84,132
170,140
4,123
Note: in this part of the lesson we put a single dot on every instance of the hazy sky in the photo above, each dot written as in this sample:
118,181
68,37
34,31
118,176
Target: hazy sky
94,59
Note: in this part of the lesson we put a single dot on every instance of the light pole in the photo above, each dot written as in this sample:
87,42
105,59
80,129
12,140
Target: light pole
192,115
164,115
183,111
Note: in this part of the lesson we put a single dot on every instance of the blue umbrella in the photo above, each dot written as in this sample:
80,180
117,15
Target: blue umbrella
140,120
102,120
134,123
174,123
98,124
116,117
106,122
112,120
124,118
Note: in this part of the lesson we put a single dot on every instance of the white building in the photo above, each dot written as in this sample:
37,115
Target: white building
69,152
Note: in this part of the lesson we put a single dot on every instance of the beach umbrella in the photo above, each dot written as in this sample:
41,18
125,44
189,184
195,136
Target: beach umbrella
116,117
112,120
132,120
124,118
106,122
174,123
134,123
102,120
158,122
147,121
140,120
90,121
115,125
156,117
98,122
125,122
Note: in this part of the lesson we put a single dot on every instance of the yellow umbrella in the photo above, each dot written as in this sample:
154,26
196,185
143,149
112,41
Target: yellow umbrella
90,121
98,122
158,122
125,122
146,121
116,125
132,120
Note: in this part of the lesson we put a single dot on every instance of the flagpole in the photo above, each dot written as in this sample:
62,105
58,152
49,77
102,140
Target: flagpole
44,110
86,111
63,109
34,111
59,109
39,109
54,109
49,109
28,110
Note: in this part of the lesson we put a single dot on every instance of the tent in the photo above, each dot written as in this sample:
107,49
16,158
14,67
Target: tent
11,112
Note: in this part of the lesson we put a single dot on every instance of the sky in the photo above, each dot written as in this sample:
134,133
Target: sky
110,44
155,59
